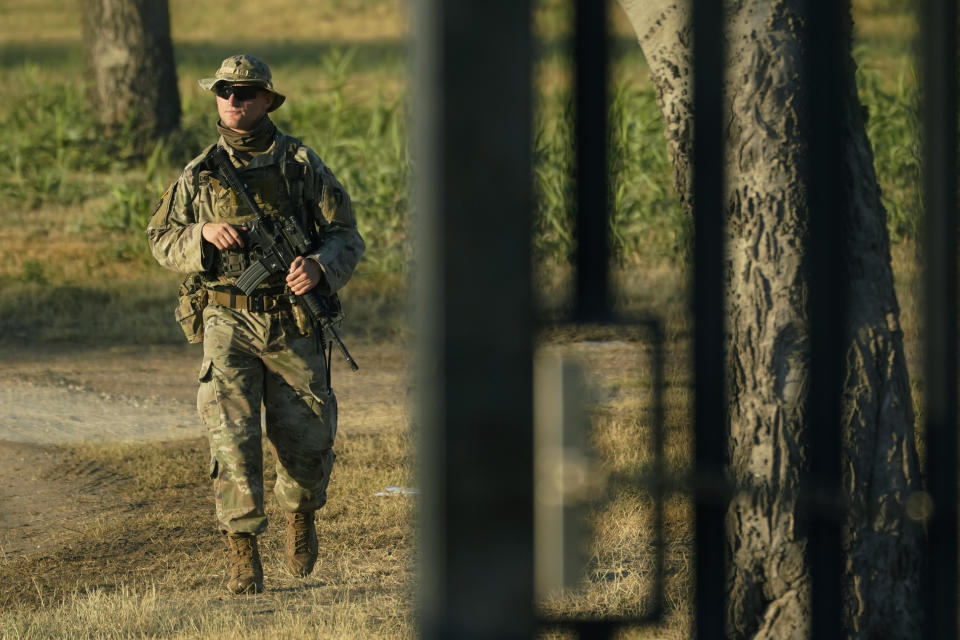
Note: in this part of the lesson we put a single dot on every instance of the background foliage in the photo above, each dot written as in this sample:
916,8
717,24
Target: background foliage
345,75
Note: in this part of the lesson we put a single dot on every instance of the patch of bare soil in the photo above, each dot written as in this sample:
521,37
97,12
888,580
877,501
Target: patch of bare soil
121,394
140,394
51,397
34,505
54,400
76,519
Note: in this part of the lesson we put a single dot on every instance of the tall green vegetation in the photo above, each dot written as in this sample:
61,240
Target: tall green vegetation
61,157
647,222
351,105
58,156
894,129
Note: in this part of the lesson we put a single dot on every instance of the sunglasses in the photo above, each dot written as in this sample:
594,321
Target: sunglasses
243,93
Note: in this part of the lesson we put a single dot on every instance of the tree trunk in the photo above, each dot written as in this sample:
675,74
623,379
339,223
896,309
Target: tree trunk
768,332
129,58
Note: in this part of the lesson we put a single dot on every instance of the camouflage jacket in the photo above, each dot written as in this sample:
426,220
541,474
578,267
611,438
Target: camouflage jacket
287,179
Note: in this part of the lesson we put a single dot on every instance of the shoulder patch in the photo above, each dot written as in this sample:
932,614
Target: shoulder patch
331,194
162,210
159,204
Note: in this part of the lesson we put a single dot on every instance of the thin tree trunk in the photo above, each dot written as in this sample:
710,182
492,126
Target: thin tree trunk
129,58
768,333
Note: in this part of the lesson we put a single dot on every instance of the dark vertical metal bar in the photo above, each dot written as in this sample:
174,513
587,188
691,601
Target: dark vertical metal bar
939,77
597,630
708,307
826,79
472,69
593,253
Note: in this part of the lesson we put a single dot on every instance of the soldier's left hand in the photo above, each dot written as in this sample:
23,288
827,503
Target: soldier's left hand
304,275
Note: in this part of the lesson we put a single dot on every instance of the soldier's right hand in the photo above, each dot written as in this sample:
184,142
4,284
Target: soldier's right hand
222,235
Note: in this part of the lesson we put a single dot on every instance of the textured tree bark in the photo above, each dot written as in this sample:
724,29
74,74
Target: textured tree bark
768,333
129,57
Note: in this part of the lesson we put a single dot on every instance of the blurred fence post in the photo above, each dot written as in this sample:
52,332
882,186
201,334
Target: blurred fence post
710,407
592,298
473,319
939,78
820,485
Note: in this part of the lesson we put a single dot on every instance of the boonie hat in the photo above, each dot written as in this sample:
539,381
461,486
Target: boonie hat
248,70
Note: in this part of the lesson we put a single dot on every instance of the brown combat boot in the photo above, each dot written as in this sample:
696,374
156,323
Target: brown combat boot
301,550
246,573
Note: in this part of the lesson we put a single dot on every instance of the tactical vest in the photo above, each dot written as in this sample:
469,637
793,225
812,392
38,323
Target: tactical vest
278,191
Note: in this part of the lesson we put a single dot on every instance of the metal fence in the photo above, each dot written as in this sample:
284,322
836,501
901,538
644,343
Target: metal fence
474,318
939,76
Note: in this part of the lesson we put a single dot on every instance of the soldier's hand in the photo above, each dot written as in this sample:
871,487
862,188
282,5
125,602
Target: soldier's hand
222,235
304,275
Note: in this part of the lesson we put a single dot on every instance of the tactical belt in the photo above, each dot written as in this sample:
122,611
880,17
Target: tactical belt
261,303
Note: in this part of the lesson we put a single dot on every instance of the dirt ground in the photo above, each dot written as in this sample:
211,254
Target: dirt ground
51,397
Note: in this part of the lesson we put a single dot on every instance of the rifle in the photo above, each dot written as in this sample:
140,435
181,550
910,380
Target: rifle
278,240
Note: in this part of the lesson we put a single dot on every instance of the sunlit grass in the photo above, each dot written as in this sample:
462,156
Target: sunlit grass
152,565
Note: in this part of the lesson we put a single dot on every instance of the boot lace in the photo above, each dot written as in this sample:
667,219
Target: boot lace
301,533
241,545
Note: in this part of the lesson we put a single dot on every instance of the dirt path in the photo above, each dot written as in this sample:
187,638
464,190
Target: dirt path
51,397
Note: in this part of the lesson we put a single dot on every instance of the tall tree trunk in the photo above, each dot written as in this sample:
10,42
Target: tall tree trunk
768,333
129,58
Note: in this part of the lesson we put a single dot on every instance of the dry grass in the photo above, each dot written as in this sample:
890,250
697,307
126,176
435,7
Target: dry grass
205,21
907,281
621,544
145,561
149,562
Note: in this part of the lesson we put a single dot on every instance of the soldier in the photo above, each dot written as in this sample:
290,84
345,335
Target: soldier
259,350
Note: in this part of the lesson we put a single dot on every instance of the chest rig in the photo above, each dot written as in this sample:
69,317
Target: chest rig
278,189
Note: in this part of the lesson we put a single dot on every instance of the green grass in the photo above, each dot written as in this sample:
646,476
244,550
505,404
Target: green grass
894,130
349,103
69,184
647,221
61,156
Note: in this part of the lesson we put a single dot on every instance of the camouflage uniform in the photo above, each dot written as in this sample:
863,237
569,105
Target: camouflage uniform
260,358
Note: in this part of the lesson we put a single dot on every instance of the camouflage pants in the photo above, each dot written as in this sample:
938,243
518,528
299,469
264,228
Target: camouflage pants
253,360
